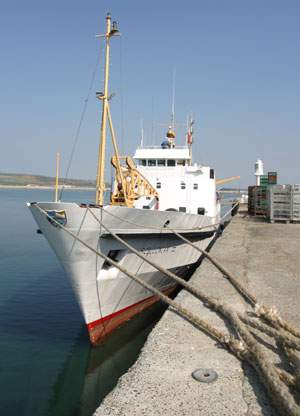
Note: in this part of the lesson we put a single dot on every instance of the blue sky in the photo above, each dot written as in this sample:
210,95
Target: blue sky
237,70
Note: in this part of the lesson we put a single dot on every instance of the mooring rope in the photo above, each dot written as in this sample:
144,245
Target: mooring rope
269,314
282,337
272,315
229,275
247,348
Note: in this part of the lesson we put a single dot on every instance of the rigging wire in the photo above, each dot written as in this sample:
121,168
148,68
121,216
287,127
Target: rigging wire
78,130
152,121
122,96
96,276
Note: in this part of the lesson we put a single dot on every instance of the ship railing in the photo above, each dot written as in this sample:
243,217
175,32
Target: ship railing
160,147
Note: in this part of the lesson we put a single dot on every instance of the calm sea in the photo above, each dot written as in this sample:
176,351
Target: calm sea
47,366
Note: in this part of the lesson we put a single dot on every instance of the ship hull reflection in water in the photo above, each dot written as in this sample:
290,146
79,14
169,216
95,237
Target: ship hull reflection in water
91,373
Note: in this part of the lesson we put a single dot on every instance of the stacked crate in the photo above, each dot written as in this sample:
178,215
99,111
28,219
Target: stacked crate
295,213
257,201
280,203
260,201
251,200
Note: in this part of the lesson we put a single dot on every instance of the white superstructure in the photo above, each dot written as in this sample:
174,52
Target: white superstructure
182,186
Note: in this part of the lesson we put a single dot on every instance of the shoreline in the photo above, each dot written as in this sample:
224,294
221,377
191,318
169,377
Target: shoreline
50,188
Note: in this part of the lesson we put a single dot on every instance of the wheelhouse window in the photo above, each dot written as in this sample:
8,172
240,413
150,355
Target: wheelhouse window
142,162
151,162
161,162
171,162
182,209
158,185
182,185
212,173
195,186
181,162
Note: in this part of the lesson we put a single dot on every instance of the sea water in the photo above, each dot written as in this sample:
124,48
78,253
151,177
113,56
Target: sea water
47,366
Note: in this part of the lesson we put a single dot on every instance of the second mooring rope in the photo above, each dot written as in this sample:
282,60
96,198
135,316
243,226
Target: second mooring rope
269,314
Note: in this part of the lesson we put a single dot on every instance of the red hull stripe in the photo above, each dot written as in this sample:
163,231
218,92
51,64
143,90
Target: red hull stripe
93,324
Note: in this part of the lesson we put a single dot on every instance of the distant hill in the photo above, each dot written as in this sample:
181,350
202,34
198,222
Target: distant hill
15,179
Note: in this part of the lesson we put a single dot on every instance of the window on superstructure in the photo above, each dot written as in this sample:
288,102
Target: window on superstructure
181,162
182,185
211,173
161,162
171,162
143,162
158,185
151,162
182,209
195,186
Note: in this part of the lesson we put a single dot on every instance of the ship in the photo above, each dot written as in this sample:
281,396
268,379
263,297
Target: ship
154,193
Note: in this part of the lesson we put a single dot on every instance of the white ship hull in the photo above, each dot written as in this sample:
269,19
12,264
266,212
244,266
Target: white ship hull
106,296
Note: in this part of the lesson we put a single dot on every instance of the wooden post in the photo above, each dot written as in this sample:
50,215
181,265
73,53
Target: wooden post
56,177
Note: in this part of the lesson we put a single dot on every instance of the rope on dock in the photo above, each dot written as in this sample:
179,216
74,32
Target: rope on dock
272,315
245,347
269,314
294,362
280,336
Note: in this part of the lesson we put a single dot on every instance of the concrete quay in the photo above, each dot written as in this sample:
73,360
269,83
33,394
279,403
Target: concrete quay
266,259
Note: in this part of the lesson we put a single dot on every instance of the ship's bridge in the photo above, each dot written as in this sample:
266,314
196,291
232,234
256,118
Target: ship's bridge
181,185
157,156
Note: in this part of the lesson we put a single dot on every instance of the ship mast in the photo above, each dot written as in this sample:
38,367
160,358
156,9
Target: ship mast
130,184
111,30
